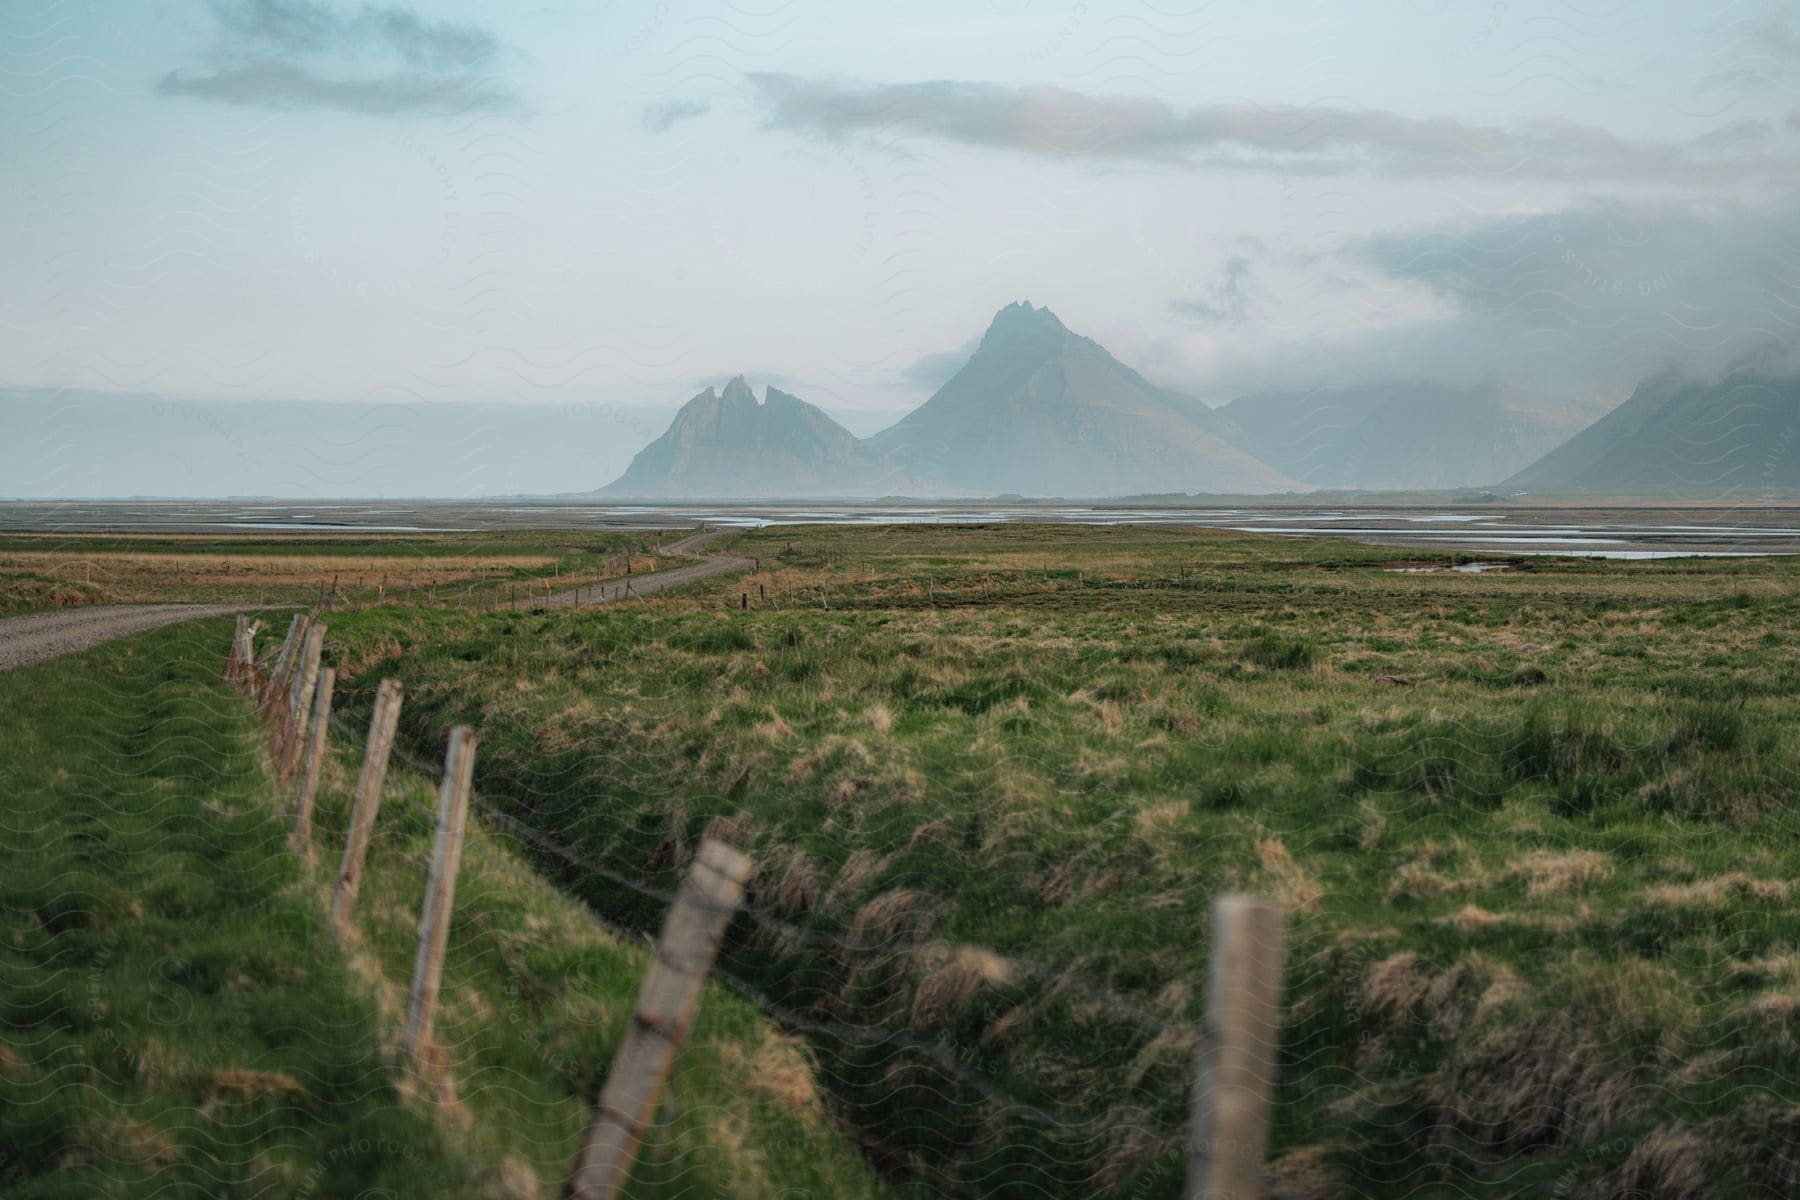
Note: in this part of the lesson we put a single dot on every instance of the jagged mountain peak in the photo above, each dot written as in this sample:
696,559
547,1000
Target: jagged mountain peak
1020,320
1042,411
732,446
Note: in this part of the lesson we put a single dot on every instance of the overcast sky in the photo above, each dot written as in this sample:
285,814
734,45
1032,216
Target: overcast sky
612,205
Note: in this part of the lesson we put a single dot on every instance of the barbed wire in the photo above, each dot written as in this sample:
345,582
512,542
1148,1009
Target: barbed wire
1061,978
940,1056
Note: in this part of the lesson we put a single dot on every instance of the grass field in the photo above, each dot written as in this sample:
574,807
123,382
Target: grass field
1533,828
59,570
176,1021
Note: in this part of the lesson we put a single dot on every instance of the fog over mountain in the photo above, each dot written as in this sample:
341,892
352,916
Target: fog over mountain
1038,410
1737,436
1399,435
1041,411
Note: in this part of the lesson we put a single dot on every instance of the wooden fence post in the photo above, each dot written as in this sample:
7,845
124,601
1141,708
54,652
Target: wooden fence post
1234,1062
247,657
440,895
366,802
671,992
279,668
315,756
234,660
293,722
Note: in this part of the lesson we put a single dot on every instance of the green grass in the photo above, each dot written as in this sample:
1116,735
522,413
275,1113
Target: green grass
57,570
1533,830
176,1020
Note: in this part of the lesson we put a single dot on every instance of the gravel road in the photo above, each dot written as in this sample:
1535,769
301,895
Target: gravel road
642,585
37,636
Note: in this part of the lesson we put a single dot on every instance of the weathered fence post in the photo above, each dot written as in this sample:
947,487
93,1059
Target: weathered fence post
315,756
306,677
366,802
690,939
247,656
1234,1062
440,895
279,668
234,660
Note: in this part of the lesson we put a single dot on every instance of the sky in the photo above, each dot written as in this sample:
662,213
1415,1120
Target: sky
212,211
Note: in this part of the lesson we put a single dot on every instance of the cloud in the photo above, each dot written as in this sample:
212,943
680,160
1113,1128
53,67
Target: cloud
1590,299
1565,311
381,60
931,371
1313,140
1228,305
1769,54
275,85
1775,36
660,118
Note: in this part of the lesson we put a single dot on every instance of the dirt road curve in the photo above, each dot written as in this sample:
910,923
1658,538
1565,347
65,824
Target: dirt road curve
643,585
37,636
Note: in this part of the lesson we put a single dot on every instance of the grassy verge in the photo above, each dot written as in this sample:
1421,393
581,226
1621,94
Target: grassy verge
56,570
176,1021
1534,830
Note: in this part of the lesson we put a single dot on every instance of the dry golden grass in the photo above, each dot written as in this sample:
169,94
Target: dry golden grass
144,572
1547,873
951,977
1719,889
1291,884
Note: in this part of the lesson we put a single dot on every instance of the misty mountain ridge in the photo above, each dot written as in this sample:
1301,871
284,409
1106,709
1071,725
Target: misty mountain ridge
1738,435
732,445
1037,410
1399,436
1040,411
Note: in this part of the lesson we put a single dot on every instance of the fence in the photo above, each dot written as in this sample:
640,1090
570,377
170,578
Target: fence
1234,1048
489,590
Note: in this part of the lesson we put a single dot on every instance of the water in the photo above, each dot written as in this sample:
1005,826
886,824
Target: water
1670,531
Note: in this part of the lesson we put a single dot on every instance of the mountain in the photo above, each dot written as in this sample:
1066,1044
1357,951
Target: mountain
1735,436
1396,436
1041,411
730,446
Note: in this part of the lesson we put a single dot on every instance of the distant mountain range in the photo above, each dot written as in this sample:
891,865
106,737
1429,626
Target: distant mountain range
1736,436
1398,436
1041,411
1037,410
